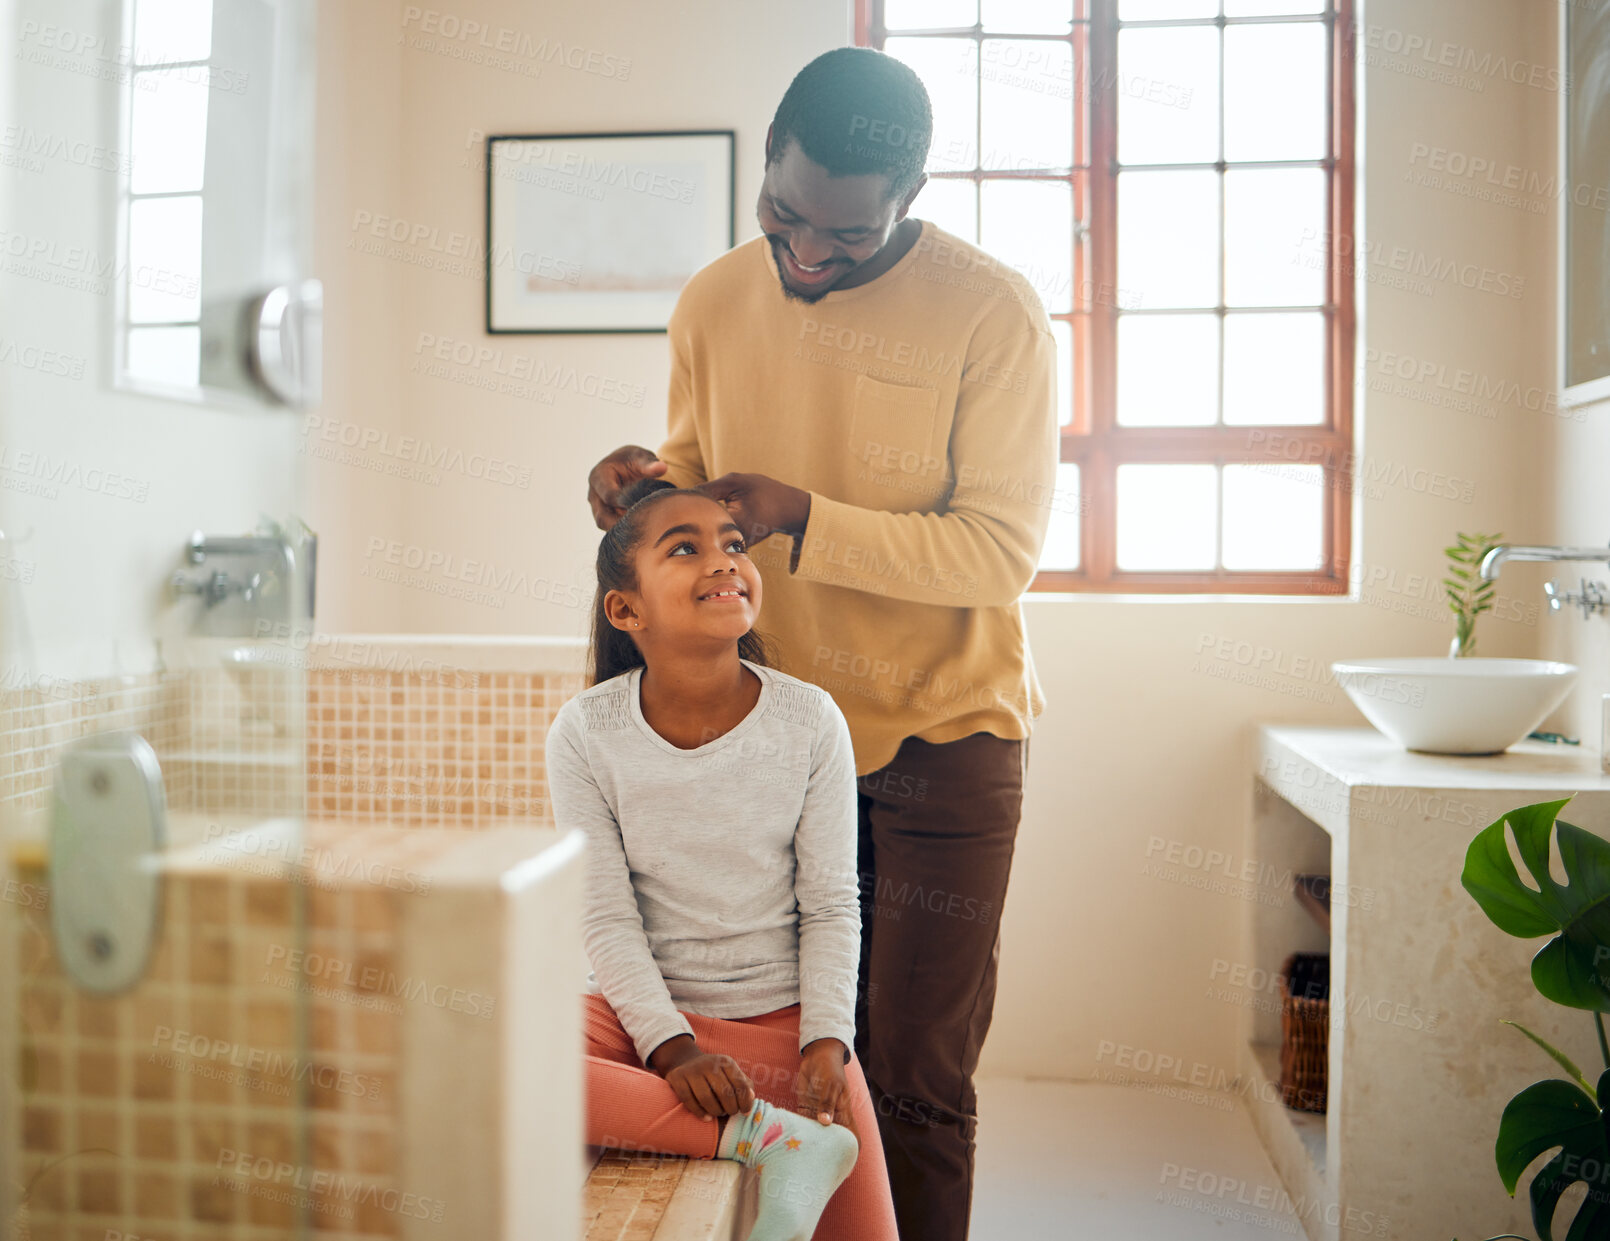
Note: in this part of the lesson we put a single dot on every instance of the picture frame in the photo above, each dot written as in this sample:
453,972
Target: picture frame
597,233
1584,211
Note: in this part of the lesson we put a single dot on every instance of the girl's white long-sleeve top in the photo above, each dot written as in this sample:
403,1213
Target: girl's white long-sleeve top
721,880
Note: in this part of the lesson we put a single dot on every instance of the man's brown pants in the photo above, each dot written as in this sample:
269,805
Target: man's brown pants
937,828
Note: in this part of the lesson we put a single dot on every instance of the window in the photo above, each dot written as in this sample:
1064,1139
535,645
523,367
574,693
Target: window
1169,174
167,43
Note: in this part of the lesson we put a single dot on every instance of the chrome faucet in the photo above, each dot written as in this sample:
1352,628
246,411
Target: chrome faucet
1494,559
1592,598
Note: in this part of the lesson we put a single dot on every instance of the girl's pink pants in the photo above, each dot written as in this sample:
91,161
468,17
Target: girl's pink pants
632,1108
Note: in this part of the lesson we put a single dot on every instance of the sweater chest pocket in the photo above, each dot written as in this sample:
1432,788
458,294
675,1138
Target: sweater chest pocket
891,442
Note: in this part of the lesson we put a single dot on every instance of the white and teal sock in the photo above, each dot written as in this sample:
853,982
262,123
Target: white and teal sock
800,1163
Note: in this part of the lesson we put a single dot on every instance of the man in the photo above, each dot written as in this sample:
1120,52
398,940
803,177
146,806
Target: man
882,394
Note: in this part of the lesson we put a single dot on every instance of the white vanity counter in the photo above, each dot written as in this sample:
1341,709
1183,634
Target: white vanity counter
1420,1068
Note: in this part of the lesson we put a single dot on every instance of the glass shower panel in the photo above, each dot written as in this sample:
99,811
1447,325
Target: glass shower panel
157,1075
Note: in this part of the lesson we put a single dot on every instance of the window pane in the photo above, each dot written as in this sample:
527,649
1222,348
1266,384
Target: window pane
949,71
1168,516
1274,369
1274,91
1273,516
1168,95
929,14
951,204
1269,214
1026,88
1168,238
168,30
1062,536
164,270
1062,332
1165,10
1271,8
168,135
1029,225
1028,16
170,355
1168,370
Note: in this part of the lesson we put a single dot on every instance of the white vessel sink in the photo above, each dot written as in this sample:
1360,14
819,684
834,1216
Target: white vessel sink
1440,705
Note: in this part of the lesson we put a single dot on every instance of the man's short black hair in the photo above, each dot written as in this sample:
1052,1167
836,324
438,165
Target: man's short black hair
855,110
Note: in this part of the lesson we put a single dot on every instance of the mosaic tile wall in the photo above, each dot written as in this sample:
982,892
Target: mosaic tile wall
451,749
173,1112
36,723
190,1108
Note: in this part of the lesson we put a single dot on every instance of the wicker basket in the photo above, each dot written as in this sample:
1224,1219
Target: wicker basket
1304,1030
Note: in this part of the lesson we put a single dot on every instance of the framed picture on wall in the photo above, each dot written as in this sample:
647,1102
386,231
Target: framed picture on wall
1585,204
599,232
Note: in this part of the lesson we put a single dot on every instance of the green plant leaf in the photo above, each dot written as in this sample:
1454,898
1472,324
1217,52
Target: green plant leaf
1560,1058
1547,1115
1462,574
1567,969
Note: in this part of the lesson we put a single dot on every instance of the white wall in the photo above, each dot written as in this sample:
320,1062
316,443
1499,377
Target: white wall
405,111
102,488
1147,732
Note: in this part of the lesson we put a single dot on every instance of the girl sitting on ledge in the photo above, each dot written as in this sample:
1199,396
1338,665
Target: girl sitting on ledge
722,911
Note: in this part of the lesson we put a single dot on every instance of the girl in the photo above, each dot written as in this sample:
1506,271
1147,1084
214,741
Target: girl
722,904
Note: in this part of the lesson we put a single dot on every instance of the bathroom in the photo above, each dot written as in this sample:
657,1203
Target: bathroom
306,572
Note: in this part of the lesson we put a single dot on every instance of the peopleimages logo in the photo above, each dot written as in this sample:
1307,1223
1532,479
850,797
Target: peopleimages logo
178,1047
376,981
331,1186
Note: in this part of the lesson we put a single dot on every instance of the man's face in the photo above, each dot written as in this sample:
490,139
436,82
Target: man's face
821,227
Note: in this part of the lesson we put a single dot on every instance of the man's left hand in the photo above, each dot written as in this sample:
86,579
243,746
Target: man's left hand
760,504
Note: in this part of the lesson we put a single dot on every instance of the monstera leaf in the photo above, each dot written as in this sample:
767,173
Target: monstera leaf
1559,1114
1573,967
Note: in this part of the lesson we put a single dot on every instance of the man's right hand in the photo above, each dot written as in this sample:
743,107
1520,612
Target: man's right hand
708,1084
615,471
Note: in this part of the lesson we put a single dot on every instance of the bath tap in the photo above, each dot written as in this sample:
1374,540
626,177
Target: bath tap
1495,558
219,586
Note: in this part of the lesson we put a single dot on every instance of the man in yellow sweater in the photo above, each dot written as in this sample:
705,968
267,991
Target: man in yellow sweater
882,395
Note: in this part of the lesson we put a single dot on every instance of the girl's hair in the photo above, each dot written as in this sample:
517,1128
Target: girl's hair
612,651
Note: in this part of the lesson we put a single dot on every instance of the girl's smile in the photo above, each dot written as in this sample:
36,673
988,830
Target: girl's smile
694,575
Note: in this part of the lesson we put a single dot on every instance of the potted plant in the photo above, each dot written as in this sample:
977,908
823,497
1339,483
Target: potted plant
1469,596
1573,969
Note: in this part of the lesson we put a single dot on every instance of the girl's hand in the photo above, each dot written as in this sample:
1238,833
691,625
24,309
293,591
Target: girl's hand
710,1085
823,1091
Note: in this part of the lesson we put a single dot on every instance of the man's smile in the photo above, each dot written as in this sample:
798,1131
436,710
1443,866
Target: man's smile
800,274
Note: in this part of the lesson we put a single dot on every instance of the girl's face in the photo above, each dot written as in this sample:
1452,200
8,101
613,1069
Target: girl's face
695,580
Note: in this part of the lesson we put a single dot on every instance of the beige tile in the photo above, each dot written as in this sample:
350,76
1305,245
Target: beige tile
98,1129
271,1023
153,1080
97,1074
156,1137
41,1129
327,1142
40,1068
210,1203
210,960
98,1192
372,1151
209,1134
156,1196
